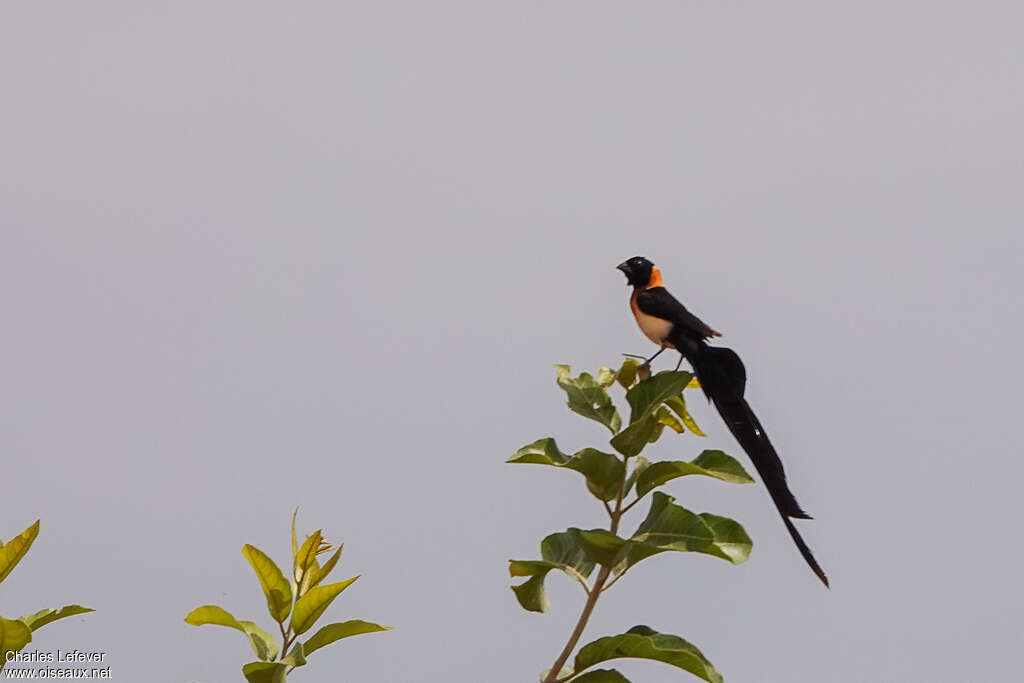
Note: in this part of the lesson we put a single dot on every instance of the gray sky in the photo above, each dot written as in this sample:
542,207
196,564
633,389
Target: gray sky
258,255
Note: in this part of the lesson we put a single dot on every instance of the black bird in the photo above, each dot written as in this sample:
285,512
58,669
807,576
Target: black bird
667,323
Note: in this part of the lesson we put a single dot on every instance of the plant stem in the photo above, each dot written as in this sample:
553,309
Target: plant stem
595,591
284,639
612,582
630,506
581,624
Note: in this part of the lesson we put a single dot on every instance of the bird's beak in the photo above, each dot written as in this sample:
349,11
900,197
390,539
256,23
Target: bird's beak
624,267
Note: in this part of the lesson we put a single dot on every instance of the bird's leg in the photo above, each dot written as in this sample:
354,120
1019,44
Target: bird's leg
648,361
681,357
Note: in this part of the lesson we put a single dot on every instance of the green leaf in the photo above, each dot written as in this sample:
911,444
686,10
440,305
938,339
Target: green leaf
265,672
626,375
11,554
332,632
669,527
604,547
648,415
47,616
639,466
631,440
530,593
642,642
731,540
709,463
14,635
562,675
588,398
277,588
310,606
672,527
603,471
295,657
262,642
678,406
601,676
646,396
562,551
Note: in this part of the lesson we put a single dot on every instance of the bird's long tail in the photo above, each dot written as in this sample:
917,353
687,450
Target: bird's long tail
723,379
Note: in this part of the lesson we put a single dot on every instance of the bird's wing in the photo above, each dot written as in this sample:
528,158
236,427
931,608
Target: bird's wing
657,302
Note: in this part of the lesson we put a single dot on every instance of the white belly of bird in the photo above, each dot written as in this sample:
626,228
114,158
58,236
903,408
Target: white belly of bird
656,329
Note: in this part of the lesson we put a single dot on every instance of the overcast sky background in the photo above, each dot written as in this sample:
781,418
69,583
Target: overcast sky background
258,255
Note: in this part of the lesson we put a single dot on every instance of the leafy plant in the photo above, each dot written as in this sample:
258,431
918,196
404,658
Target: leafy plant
15,634
655,403
304,597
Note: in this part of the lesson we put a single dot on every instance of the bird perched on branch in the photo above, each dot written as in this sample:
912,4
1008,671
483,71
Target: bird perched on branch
721,374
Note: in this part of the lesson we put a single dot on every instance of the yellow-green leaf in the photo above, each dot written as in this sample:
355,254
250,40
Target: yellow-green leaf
277,588
11,554
678,406
665,417
332,632
47,616
323,571
262,642
14,635
308,576
212,614
295,542
305,557
296,657
310,606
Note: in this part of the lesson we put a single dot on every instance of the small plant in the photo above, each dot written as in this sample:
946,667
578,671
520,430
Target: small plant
655,403
15,634
302,597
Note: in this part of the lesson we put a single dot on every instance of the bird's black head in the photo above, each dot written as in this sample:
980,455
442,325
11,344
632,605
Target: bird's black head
637,270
